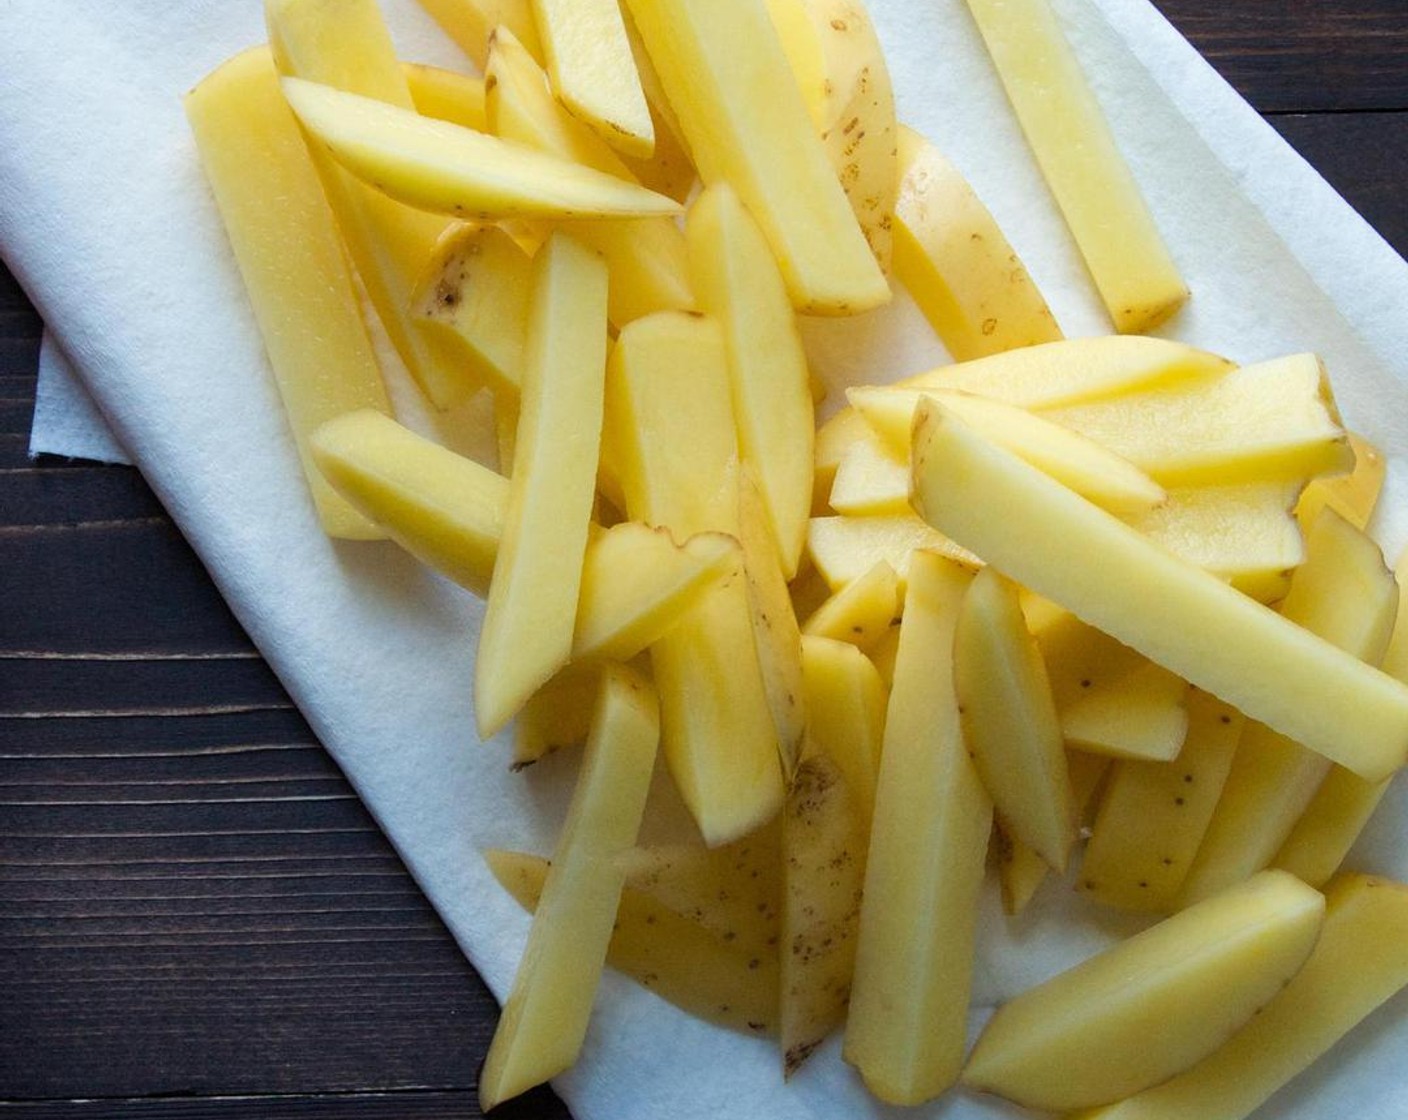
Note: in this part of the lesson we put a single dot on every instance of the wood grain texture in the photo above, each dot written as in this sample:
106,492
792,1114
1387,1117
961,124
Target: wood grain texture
198,919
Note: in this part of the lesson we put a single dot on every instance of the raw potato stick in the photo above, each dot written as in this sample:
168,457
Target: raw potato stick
545,1017
344,43
956,262
470,23
907,1025
1054,542
306,304
441,167
1360,961
745,122
532,607
1099,197
593,73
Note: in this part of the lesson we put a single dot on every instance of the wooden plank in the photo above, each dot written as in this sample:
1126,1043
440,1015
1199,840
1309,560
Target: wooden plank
416,1104
1299,57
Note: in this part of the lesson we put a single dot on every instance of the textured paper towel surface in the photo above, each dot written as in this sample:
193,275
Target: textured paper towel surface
105,219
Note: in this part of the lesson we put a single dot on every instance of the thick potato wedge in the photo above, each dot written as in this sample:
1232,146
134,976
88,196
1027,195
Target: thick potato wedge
593,72
957,264
470,23
907,1026
446,95
441,167
746,124
862,612
1081,162
544,1019
1360,961
1142,716
1062,547
532,606
306,305
845,713
1087,1037
871,481
845,548
1354,495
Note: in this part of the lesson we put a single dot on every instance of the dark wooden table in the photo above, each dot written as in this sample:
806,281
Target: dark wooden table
197,916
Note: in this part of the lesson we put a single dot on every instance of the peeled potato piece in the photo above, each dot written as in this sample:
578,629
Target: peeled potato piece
1060,546
862,612
1152,1006
441,167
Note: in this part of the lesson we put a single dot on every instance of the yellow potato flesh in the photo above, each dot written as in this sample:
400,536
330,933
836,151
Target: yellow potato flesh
441,167
1088,468
672,956
646,256
957,264
306,305
736,281
593,72
862,612
671,425
824,837
1275,421
833,439
776,634
1075,370
1154,814
532,606
473,298
1354,495
840,69
558,715
1087,1036
544,1019
1020,870
1246,533
1009,719
1142,716
871,481
1360,961
637,583
1054,542
446,95
471,22
1132,268
1344,594
344,43
907,1026
444,509
745,122
845,548
845,713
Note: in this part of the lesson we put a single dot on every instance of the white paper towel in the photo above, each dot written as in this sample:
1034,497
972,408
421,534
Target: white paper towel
105,219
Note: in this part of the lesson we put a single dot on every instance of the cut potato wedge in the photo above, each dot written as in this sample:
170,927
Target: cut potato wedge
737,282
1075,371
646,256
670,955
1133,270
824,839
436,166
557,716
907,1027
671,424
1142,716
1154,814
544,1019
444,509
1009,719
473,300
862,612
1360,961
1085,466
746,124
1060,546
957,264
871,481
345,43
593,73
532,605
1344,594
307,306
845,548
470,23
446,95
1354,495
1084,1037
845,713
1271,422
